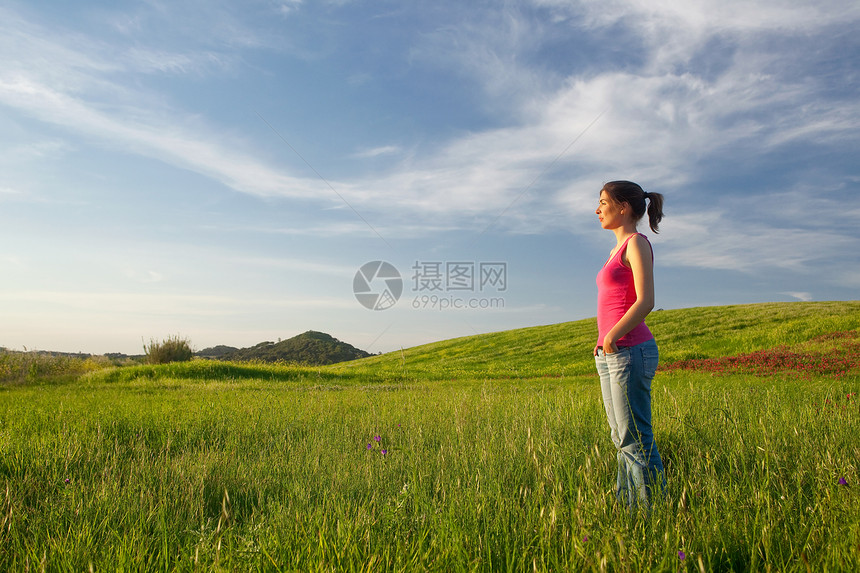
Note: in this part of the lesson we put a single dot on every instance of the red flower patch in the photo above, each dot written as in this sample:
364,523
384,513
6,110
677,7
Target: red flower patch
835,363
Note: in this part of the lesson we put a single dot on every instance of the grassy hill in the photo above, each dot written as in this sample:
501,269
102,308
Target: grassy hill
565,349
551,351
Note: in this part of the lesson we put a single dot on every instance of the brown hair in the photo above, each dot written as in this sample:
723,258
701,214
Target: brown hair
632,194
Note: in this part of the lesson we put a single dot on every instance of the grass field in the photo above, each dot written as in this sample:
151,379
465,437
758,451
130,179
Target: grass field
482,453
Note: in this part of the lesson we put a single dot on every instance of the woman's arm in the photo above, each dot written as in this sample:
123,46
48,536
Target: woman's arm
640,260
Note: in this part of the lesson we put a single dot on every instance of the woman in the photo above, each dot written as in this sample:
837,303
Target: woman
626,353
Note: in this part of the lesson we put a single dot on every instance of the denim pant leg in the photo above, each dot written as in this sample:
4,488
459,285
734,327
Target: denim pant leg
625,382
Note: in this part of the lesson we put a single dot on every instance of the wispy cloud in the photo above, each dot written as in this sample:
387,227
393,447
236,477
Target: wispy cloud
714,240
288,6
144,60
168,304
299,265
37,150
153,133
804,296
144,276
377,151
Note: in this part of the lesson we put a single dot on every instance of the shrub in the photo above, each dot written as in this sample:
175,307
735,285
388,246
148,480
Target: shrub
172,349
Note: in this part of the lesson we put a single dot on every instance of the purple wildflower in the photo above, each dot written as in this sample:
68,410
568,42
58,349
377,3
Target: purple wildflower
843,481
68,480
384,452
369,446
585,539
377,438
682,555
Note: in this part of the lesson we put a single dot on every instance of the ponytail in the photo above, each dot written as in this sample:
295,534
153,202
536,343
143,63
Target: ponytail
655,210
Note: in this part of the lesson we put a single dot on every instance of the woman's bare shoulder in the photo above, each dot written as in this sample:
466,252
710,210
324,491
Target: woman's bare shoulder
640,246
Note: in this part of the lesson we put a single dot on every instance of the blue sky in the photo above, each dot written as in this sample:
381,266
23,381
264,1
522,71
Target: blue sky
221,170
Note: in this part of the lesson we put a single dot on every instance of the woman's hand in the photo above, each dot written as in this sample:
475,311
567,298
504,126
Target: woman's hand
609,346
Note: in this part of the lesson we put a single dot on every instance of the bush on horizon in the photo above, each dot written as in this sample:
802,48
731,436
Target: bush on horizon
171,349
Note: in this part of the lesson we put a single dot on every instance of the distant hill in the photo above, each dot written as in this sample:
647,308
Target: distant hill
216,352
311,347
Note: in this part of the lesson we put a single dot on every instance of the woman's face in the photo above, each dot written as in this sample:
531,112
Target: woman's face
608,212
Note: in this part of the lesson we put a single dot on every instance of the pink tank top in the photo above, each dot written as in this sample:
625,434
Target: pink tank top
615,295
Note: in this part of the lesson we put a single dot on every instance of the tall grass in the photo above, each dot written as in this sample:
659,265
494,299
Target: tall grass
31,366
208,466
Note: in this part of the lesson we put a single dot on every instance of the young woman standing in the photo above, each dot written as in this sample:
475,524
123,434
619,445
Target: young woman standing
626,353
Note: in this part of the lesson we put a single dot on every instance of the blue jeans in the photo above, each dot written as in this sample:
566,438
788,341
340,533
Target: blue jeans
625,381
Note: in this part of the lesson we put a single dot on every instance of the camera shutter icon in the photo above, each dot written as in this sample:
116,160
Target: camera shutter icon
377,285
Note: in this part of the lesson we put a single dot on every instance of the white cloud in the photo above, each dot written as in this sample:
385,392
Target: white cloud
486,47
804,296
699,16
377,151
162,61
288,6
141,131
717,240
36,151
300,265
144,276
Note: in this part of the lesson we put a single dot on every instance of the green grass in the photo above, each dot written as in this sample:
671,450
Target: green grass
498,458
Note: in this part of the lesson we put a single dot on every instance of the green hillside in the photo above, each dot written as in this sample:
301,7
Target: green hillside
551,351
565,349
